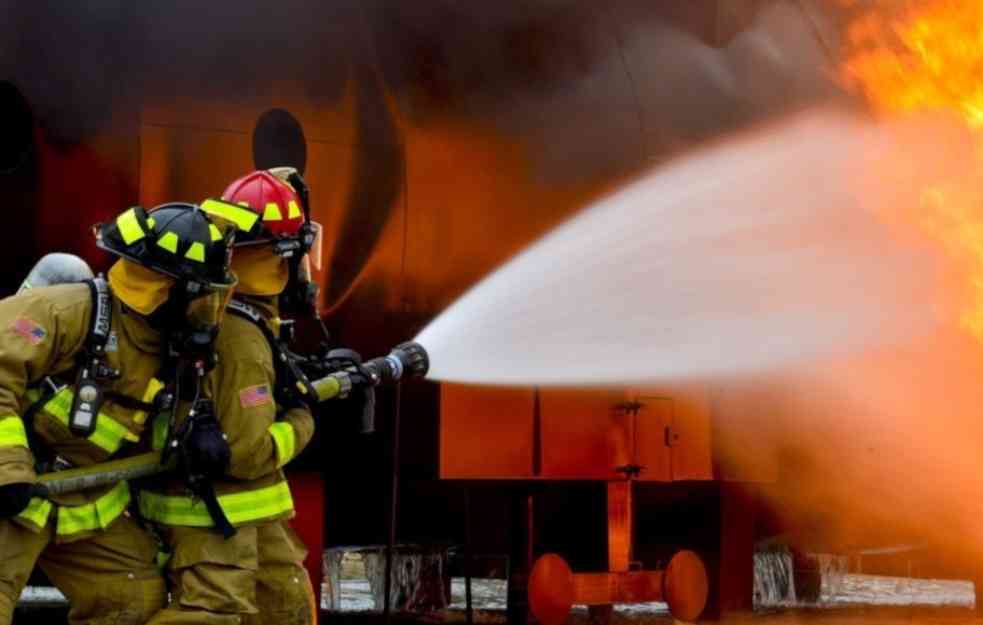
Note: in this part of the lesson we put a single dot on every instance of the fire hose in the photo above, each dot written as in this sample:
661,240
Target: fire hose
102,474
407,360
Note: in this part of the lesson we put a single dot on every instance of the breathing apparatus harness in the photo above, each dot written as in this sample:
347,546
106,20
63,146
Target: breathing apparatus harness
198,445
91,371
309,380
92,366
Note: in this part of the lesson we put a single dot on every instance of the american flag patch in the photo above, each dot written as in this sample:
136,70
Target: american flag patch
255,396
29,330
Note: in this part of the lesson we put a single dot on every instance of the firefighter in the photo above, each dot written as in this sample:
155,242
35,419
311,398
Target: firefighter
256,575
80,369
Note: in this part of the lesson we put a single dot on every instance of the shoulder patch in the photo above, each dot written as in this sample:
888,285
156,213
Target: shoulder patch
255,396
29,329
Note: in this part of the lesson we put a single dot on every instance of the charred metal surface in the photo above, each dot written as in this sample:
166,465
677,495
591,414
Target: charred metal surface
438,137
433,101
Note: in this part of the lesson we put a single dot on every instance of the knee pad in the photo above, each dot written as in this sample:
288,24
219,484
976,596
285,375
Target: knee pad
142,598
131,601
284,595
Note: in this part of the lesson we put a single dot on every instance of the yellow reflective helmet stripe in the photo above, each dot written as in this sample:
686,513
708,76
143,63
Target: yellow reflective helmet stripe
243,507
285,441
196,252
95,515
36,513
12,431
272,212
129,227
109,434
215,233
293,211
169,241
243,218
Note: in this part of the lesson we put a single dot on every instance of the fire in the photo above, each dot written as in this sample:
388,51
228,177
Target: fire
927,56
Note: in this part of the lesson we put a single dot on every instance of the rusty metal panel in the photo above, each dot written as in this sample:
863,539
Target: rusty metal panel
674,433
650,449
605,588
621,518
332,122
584,435
189,165
485,432
690,435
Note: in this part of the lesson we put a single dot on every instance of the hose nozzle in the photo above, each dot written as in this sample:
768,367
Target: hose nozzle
406,360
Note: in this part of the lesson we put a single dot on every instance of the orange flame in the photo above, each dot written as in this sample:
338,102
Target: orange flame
927,56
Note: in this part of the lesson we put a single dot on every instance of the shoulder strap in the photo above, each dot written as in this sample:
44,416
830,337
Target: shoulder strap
101,320
288,375
247,312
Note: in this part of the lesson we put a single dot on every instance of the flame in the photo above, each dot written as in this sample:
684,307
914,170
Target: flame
927,56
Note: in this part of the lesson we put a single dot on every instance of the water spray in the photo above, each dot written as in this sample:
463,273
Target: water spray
753,255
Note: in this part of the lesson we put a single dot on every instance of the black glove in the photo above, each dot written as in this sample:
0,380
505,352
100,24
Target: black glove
205,456
204,446
14,498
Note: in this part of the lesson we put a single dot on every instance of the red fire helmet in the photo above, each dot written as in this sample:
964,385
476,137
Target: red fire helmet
272,199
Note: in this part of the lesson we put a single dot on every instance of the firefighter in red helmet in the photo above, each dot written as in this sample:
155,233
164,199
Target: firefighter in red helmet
256,575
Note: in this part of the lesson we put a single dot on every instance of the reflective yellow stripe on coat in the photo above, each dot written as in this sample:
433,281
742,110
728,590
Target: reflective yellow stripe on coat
96,515
244,507
285,440
36,513
109,434
12,432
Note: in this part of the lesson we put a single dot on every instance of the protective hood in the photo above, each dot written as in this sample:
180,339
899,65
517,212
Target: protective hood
141,289
260,270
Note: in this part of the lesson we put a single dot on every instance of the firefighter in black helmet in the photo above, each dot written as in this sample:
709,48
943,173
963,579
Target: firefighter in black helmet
80,370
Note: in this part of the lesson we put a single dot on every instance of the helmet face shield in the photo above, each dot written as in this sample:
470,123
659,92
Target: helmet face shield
314,253
206,311
312,259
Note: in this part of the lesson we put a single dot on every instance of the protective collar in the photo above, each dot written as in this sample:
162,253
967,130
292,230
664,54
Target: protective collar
141,289
136,329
